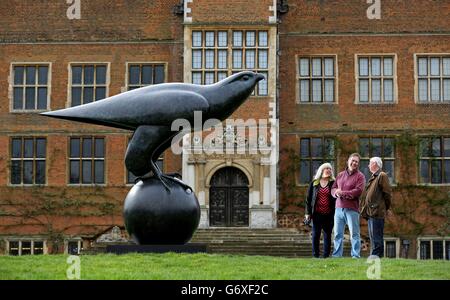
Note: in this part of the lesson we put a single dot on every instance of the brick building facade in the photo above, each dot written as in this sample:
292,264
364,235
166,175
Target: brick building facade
340,77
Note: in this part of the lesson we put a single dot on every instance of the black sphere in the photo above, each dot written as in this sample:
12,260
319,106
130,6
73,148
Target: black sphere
153,215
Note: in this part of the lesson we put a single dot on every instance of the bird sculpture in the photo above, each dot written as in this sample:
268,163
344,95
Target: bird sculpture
149,111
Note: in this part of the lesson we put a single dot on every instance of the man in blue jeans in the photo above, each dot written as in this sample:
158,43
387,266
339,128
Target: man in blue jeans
347,189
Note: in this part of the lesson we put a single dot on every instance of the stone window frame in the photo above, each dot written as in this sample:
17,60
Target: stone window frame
128,63
91,158
416,57
129,177
77,240
382,77
312,158
22,158
8,241
432,239
83,63
189,70
397,245
11,86
335,77
430,158
383,157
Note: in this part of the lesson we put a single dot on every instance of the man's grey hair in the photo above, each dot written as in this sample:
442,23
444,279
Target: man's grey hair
378,161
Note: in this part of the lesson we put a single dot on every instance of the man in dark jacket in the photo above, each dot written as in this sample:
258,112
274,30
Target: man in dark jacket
375,202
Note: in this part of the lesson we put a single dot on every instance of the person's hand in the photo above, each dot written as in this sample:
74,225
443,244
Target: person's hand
338,192
307,217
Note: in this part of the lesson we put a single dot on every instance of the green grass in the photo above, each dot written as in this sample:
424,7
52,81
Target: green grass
213,267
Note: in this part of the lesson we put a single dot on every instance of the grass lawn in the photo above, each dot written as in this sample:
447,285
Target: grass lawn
214,267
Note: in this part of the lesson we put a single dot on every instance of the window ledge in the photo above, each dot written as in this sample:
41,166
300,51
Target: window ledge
28,111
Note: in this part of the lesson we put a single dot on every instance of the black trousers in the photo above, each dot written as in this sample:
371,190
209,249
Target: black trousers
322,223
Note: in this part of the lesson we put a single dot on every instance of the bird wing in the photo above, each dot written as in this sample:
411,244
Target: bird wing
138,107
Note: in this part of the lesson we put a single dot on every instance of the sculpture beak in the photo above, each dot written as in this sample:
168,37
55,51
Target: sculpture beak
259,77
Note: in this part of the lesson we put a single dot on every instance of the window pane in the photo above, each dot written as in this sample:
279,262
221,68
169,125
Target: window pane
40,148
147,73
16,172
423,90
133,75
262,59
305,171
209,39
31,75
26,247
87,147
28,172
304,90
18,75
315,166
196,59
42,98
221,75
159,75
329,90
388,67
16,148
40,172
447,147
376,147
436,147
363,90
250,39
435,89
100,93
317,90
434,66
391,249
74,147
196,39
316,67
237,38
209,77
388,87
316,147
388,147
42,75
447,171
388,167
446,66
74,171
196,78
28,148
76,74
424,171
364,168
376,90
329,148
262,85
436,171
18,98
363,67
423,66
446,89
87,171
263,40
209,59
76,96
222,59
99,147
38,248
88,95
304,67
100,74
438,250
237,59
222,39
131,177
99,171
329,66
424,148
304,148
376,67
250,59
88,74
30,97
364,147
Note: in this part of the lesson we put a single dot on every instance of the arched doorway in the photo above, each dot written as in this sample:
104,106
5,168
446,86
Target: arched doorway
228,198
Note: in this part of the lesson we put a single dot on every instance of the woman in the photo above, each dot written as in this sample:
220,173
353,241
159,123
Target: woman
320,208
